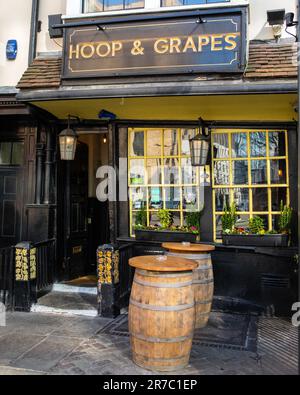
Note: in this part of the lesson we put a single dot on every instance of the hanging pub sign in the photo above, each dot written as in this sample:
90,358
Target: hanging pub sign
193,44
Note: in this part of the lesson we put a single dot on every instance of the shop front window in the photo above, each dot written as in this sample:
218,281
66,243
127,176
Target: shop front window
250,168
161,175
111,5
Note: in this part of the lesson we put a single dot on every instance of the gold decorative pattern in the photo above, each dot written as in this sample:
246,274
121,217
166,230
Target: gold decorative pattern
22,269
108,266
33,264
25,264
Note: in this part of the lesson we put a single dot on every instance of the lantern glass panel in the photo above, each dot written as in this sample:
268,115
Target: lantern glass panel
67,147
199,151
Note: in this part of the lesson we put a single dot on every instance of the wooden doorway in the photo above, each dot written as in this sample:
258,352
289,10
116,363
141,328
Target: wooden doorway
11,192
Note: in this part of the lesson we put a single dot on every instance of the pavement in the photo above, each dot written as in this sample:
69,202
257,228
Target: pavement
51,344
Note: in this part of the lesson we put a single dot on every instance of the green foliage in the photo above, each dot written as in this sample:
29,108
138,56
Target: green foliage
229,218
256,225
193,220
272,232
166,218
141,218
285,218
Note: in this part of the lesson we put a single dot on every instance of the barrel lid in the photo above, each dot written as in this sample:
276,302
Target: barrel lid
187,247
159,263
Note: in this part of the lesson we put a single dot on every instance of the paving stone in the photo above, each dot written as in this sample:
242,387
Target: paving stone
72,346
81,327
13,346
9,371
47,353
39,324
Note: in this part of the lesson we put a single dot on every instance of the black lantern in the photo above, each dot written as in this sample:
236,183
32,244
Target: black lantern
200,146
68,142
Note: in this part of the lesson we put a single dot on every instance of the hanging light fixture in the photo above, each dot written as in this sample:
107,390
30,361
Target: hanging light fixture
200,146
68,142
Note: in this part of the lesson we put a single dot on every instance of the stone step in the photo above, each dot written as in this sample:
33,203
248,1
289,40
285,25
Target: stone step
67,303
36,308
65,288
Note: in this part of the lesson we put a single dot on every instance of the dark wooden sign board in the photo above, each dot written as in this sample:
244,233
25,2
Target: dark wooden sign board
213,43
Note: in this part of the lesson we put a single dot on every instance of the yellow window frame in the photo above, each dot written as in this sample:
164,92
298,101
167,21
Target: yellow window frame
231,186
161,185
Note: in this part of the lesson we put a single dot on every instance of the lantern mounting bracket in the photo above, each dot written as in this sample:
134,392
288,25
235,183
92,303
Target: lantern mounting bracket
203,126
74,117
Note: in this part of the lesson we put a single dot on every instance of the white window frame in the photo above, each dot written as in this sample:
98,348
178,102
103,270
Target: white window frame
74,8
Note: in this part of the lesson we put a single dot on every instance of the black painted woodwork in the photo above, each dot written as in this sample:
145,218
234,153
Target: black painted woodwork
11,188
74,189
98,229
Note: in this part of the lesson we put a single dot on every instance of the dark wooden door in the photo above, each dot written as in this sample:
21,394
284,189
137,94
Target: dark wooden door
11,187
76,210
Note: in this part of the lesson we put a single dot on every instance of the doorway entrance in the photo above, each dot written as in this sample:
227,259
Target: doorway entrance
85,220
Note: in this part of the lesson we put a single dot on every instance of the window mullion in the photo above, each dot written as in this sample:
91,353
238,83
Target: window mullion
162,167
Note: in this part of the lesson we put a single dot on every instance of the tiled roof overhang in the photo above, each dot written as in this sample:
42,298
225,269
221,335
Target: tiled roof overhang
272,68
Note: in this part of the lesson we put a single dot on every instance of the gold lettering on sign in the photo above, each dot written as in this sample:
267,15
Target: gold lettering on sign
116,47
175,43
217,42
87,51
230,39
202,42
103,53
161,46
190,44
74,52
137,48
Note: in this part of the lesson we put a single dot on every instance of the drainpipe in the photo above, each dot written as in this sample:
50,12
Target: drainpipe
33,30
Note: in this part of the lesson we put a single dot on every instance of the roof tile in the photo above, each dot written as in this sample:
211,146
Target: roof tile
272,61
265,61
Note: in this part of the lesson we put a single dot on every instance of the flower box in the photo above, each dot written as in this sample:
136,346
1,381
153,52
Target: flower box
273,240
165,236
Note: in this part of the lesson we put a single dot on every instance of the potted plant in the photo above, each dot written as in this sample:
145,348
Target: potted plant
165,231
256,234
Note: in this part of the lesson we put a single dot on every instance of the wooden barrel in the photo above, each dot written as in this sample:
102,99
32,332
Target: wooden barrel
203,278
162,313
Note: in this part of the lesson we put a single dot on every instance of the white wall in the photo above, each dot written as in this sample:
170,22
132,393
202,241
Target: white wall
15,16
49,7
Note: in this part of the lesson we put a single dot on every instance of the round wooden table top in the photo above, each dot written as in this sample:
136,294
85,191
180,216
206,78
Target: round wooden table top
163,263
188,248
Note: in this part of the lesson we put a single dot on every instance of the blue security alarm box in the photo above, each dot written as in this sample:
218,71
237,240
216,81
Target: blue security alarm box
11,49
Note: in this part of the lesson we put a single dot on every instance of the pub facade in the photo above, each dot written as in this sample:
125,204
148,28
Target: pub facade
137,81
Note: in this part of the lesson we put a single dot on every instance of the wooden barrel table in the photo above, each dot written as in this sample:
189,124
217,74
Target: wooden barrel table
162,312
203,279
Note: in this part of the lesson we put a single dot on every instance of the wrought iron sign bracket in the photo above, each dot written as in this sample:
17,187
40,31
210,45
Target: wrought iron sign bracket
143,18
